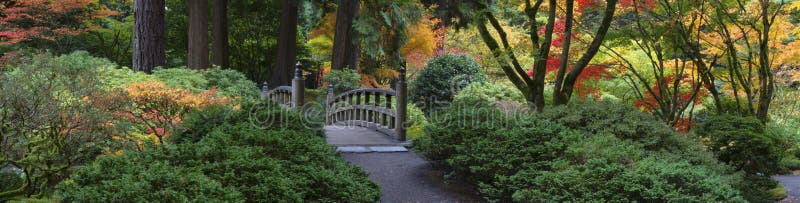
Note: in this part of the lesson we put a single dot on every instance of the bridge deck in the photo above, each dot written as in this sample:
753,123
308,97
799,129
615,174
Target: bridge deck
340,136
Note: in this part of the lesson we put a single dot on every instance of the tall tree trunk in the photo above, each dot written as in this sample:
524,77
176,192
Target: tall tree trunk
219,45
287,45
765,76
149,39
198,34
345,50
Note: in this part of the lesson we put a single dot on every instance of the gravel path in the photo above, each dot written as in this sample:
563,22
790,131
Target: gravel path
792,185
403,175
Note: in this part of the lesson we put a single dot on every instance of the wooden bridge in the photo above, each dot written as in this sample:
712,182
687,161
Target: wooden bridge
361,117
374,120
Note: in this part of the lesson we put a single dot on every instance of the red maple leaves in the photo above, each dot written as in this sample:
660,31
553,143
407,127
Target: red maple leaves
23,20
584,85
685,94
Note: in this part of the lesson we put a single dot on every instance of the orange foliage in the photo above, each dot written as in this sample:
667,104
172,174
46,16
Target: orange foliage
25,20
158,109
422,42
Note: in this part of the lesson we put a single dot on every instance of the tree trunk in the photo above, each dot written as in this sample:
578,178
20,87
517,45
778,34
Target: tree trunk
559,98
765,76
149,39
345,50
569,82
198,34
287,45
442,15
219,44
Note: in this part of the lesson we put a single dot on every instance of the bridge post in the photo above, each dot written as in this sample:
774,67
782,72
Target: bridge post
298,88
328,107
402,102
264,90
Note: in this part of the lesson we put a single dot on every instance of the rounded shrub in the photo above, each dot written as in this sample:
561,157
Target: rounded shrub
231,83
621,120
343,80
742,142
440,80
182,77
487,94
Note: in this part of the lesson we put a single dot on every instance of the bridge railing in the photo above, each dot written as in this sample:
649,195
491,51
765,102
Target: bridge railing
382,110
287,96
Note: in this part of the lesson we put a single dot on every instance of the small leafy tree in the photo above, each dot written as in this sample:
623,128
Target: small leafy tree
156,109
26,20
52,117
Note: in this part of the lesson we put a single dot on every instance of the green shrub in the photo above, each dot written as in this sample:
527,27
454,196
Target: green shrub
749,146
139,178
623,121
182,77
54,117
742,142
531,158
440,80
116,77
231,83
418,122
486,94
10,180
343,80
259,153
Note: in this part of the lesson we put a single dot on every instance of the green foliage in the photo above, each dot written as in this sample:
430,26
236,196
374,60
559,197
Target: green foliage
487,94
418,122
53,117
182,77
623,121
231,83
10,180
382,27
252,30
742,142
239,158
524,158
440,80
71,112
129,179
343,80
115,77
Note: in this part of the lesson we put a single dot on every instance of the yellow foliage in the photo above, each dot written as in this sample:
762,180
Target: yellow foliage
421,43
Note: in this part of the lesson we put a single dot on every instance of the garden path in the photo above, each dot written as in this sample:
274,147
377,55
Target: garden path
792,185
403,175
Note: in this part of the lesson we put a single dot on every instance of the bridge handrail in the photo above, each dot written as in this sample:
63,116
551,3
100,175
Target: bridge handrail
363,90
288,96
374,108
388,116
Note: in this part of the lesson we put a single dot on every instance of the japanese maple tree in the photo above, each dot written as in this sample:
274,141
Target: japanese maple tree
26,20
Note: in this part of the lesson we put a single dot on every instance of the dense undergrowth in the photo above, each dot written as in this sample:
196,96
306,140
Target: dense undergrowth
235,160
76,128
581,152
